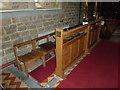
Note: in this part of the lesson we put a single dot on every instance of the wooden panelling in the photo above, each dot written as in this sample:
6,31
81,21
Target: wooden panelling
94,34
73,43
81,46
66,56
74,50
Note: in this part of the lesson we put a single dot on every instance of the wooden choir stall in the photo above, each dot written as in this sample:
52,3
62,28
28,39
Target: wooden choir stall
94,32
111,24
74,42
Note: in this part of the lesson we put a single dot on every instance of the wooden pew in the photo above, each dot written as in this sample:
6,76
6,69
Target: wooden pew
35,54
111,24
28,57
74,42
70,44
47,46
94,32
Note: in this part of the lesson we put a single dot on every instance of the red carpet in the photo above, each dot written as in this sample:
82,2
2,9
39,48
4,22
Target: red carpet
97,70
41,73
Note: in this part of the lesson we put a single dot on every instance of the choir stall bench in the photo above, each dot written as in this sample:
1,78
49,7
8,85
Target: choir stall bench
36,53
27,58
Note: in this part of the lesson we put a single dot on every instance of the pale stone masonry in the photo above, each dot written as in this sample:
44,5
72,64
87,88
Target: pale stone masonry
19,28
15,5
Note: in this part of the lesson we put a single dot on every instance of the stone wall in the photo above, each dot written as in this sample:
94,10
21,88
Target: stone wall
21,27
16,5
48,5
28,5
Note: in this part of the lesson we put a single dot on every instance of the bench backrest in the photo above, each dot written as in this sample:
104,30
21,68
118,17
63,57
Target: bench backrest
31,42
44,37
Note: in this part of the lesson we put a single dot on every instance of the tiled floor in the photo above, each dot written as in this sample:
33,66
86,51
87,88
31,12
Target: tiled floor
30,82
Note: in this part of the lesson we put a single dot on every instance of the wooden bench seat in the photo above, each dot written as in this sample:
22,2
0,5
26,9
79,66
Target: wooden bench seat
47,46
36,53
27,58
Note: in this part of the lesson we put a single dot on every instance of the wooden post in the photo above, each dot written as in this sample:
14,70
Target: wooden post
59,50
44,61
98,35
87,30
48,38
99,29
17,61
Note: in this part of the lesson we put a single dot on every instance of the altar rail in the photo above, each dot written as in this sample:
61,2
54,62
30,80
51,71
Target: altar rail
72,43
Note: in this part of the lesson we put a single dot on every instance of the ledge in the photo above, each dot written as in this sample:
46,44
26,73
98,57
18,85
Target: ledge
25,12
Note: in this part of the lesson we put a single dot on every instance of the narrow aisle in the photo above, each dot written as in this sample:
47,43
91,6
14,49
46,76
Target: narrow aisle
116,35
97,70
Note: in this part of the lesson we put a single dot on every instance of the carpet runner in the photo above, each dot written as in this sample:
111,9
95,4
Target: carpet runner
41,73
97,70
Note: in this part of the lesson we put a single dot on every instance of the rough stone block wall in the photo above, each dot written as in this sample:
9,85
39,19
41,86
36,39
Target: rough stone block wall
49,4
19,5
19,28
